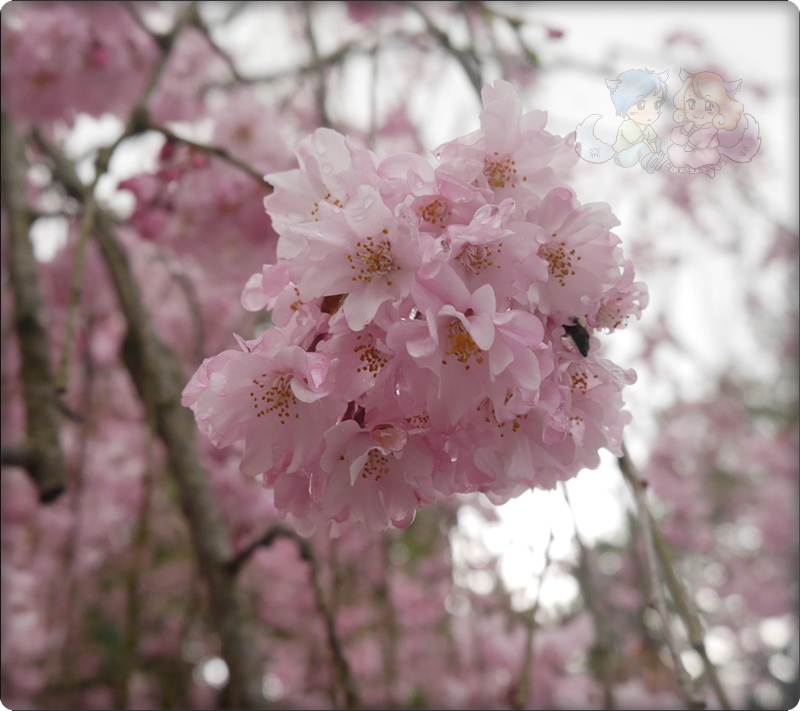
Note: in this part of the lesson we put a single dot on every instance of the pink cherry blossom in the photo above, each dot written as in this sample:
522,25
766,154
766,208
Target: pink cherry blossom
419,319
366,482
269,394
360,250
521,160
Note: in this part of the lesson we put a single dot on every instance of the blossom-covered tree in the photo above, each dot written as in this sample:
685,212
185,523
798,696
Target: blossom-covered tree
273,360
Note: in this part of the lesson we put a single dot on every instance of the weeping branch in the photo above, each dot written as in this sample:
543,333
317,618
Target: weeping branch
639,487
468,61
344,679
680,597
159,382
137,548
321,89
605,647
189,291
43,457
75,291
139,117
523,688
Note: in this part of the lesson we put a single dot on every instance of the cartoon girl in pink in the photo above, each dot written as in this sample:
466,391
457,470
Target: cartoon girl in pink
710,125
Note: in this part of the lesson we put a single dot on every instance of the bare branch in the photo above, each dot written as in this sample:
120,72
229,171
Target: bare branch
321,89
139,118
75,289
45,461
342,668
524,685
647,523
186,285
130,637
199,24
468,61
158,380
682,600
16,456
605,647
170,135
130,8
313,67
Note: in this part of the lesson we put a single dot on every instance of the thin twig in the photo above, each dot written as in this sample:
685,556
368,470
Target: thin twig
130,8
605,647
236,9
682,600
167,42
468,61
186,285
70,579
321,89
130,637
16,456
200,25
341,667
313,67
373,97
75,290
388,619
647,523
139,117
222,153
523,689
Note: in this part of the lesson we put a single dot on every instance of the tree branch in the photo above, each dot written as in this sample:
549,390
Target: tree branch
140,117
344,678
321,90
679,595
315,66
604,648
200,25
75,290
648,525
44,461
170,135
158,380
523,687
16,456
469,62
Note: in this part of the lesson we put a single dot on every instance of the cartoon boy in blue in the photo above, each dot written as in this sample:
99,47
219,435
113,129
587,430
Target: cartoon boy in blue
638,95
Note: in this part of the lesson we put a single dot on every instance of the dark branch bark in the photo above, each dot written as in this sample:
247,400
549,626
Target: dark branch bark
344,679
45,460
16,456
468,61
158,380
320,91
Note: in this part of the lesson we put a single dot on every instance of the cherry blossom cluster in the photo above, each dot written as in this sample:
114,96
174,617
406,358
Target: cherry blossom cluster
63,59
433,327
